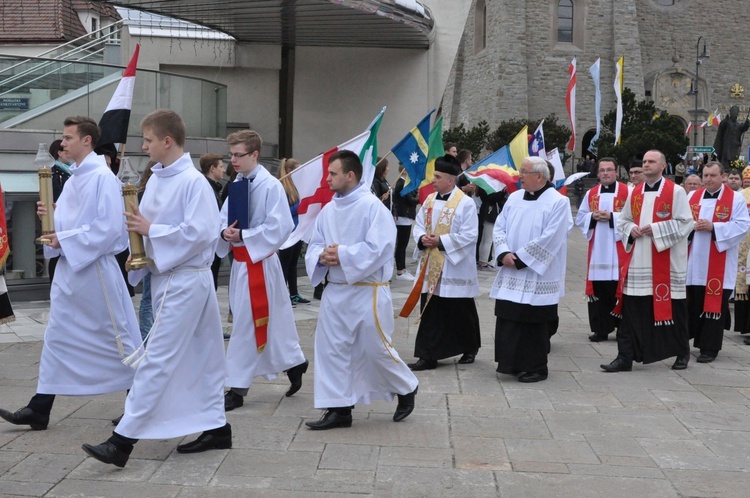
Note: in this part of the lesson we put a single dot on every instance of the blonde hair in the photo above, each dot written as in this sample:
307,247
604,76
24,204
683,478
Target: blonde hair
287,166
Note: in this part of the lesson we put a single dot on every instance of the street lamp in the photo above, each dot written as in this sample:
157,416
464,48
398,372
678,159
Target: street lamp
694,85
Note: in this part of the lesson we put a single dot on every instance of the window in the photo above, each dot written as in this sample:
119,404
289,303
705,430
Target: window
480,26
565,21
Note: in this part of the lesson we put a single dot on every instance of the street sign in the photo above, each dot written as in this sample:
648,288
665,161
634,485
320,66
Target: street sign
698,149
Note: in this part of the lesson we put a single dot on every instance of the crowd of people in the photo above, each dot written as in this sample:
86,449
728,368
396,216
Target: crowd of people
663,262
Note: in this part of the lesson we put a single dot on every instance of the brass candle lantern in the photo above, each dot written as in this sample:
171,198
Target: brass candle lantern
129,178
44,162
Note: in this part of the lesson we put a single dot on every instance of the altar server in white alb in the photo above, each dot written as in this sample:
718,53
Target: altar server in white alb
446,232
597,219
530,238
177,389
721,222
92,323
264,337
353,244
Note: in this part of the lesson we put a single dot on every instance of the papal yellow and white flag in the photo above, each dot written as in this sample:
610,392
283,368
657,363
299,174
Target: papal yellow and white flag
618,94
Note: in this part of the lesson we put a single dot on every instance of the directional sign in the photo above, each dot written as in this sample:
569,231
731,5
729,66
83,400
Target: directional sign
697,149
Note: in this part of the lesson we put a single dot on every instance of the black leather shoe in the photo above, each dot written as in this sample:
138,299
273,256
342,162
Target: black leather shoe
116,421
331,420
619,364
746,340
26,416
598,338
705,358
405,405
467,358
295,377
209,440
232,400
681,362
421,364
108,453
529,377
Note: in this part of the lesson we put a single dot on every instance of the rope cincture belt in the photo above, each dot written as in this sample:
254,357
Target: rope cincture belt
386,343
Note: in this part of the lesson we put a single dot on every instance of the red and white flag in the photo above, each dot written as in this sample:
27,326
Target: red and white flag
314,193
116,118
689,127
570,103
716,118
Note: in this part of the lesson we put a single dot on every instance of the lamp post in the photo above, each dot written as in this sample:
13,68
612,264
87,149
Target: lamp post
694,85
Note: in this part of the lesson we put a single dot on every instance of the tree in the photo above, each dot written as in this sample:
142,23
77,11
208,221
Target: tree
474,139
555,134
643,128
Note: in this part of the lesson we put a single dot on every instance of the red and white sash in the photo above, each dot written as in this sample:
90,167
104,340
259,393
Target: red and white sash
621,196
716,259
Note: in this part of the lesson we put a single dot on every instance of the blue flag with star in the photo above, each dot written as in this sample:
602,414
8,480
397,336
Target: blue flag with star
412,151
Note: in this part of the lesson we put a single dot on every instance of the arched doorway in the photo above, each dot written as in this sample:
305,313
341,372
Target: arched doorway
586,143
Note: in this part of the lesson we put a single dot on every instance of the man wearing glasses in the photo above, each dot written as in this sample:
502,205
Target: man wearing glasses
597,218
635,173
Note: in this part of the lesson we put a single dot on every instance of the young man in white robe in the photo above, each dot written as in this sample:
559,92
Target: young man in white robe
353,244
264,338
92,323
446,233
597,218
177,389
721,222
530,237
654,225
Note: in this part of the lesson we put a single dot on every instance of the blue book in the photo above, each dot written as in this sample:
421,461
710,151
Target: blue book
238,208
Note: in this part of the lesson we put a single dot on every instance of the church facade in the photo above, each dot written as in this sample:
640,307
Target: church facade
514,55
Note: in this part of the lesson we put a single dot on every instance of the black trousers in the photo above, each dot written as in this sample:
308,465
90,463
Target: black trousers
707,333
403,233
42,403
215,270
289,258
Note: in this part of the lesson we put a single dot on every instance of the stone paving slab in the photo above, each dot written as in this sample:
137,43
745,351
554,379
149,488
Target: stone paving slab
582,433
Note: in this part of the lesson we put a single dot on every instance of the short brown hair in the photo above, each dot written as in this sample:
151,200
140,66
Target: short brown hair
349,162
248,138
166,123
463,155
606,160
85,127
209,160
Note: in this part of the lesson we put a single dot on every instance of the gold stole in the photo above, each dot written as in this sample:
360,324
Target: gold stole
432,259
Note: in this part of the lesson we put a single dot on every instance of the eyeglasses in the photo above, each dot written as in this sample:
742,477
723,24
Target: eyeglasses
236,155
527,172
607,170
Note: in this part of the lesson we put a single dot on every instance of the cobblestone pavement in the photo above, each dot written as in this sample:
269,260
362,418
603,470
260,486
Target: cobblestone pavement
650,432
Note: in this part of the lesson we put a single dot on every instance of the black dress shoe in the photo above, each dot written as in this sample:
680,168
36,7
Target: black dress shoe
467,358
117,420
681,362
705,358
26,416
295,377
210,440
746,340
232,400
533,377
598,338
331,419
108,453
405,405
619,364
421,364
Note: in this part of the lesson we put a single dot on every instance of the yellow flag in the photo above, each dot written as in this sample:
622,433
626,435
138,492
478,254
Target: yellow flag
519,147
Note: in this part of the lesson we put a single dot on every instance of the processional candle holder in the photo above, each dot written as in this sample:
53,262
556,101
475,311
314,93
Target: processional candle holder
129,178
44,162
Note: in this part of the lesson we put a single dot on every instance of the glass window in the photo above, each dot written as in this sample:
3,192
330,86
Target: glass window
480,26
565,21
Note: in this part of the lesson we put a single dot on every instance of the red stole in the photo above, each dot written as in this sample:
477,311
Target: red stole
660,261
621,195
256,280
716,260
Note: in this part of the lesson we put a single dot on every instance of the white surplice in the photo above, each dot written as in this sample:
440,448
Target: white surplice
536,231
603,264
269,227
671,234
727,236
89,302
352,363
459,276
178,386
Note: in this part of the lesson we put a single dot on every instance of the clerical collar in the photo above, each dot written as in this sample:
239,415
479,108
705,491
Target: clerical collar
652,188
532,196
607,189
712,195
443,197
